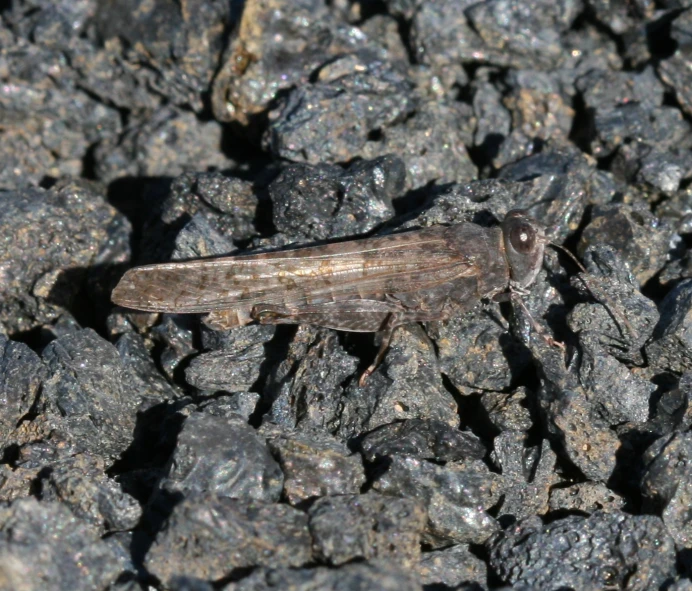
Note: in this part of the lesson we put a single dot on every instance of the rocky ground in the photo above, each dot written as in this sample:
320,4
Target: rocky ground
144,451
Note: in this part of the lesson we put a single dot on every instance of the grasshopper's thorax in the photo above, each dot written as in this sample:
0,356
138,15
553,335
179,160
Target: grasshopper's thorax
524,242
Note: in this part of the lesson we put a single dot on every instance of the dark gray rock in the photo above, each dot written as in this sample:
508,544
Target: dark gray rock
494,120
198,238
452,567
228,205
509,411
529,39
322,201
315,464
528,474
624,320
540,113
332,119
44,544
378,575
674,71
275,50
86,395
407,385
618,394
422,439
370,526
80,482
448,32
54,242
605,549
671,347
667,484
476,352
142,373
170,143
608,88
224,456
582,435
185,583
673,411
619,16
635,234
50,123
585,497
307,387
240,404
21,376
432,144
171,51
208,536
660,126
236,366
455,496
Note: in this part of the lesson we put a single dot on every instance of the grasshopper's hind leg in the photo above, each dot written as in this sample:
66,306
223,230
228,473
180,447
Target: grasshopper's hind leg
349,316
393,321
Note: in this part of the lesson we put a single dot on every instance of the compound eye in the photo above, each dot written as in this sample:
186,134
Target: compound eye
522,237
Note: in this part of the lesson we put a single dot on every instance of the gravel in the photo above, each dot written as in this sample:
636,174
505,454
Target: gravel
147,451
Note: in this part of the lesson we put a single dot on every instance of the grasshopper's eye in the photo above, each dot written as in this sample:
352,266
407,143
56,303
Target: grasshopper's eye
524,240
522,237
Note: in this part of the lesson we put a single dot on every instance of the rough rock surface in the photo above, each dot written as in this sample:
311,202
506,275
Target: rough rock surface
539,443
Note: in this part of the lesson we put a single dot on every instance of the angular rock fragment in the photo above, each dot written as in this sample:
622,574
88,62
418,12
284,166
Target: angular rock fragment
224,456
50,124
452,567
208,536
161,146
315,464
637,236
332,120
280,45
623,320
85,395
585,497
21,375
80,483
307,387
53,243
605,549
422,439
369,526
407,385
377,575
528,473
236,366
671,347
584,437
322,201
172,50
667,484
455,496
44,544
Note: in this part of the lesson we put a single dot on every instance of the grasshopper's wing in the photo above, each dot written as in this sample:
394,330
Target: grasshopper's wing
371,267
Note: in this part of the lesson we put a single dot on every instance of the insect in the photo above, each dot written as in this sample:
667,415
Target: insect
368,285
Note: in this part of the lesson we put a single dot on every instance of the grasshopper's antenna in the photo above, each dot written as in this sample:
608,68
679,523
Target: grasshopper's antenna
569,253
619,319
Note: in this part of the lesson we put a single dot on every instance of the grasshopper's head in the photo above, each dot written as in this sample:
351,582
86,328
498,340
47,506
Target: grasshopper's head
524,241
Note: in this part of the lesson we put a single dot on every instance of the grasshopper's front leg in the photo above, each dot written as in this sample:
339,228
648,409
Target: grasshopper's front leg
514,296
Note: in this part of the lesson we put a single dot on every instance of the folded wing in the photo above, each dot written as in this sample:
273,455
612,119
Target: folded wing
357,269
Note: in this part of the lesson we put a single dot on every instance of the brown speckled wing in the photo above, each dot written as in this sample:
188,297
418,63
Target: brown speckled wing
364,268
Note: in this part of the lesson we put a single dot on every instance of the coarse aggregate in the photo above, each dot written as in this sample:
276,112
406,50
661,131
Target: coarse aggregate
145,451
